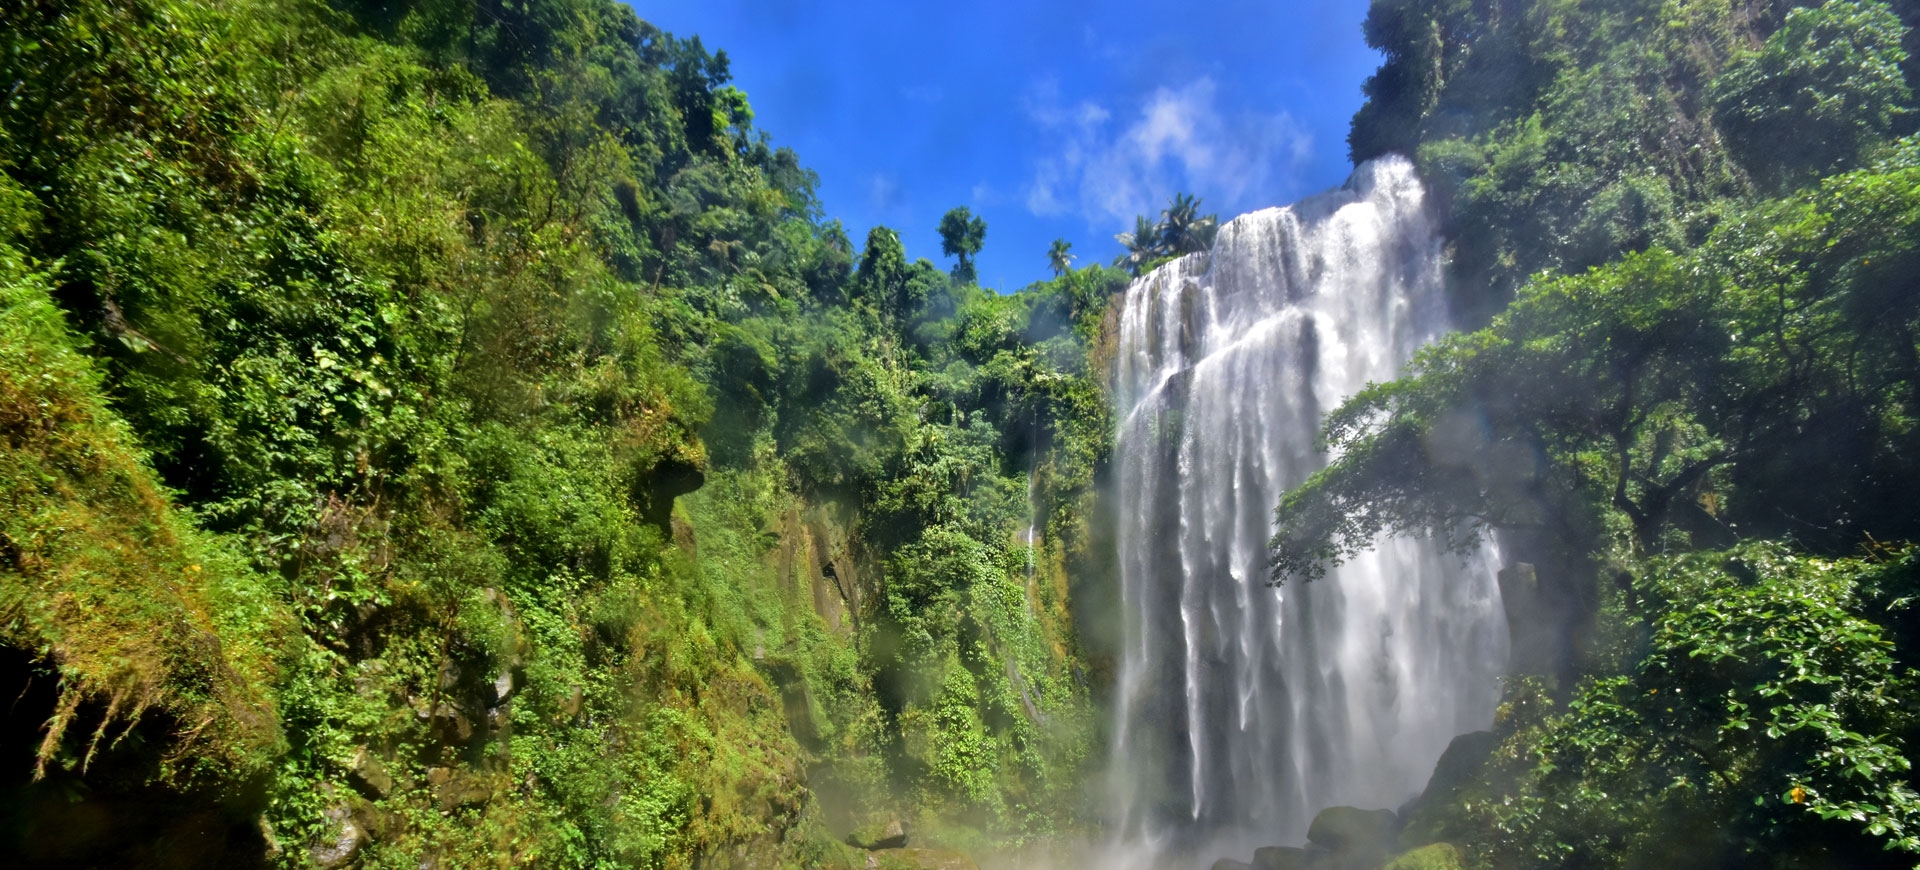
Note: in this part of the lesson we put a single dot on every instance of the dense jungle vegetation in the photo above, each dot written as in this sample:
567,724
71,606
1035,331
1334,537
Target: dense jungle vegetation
450,434
1689,236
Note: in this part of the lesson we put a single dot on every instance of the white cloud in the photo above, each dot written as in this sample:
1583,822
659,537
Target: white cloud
1180,139
883,191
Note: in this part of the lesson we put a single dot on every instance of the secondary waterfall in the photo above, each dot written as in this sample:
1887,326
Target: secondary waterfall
1243,709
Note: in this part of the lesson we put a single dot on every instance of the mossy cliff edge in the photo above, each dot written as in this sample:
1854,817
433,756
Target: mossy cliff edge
448,434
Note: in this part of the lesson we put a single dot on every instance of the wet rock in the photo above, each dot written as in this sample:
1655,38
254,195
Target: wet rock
1231,864
1280,858
341,842
367,775
450,726
268,838
456,788
381,825
1457,766
891,834
1346,829
1463,758
919,859
1438,856
1354,839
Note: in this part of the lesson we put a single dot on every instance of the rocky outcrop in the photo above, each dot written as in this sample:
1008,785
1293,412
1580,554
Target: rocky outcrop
1357,838
1457,766
888,834
342,841
368,775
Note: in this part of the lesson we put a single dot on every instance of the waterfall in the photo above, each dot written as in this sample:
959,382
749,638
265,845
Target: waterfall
1243,709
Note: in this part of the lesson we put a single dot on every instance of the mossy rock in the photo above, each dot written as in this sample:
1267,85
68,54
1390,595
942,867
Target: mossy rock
1345,829
1280,858
884,834
1438,856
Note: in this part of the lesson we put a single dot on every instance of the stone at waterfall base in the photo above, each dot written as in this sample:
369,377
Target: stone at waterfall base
1357,839
1436,856
1349,829
1282,858
1340,838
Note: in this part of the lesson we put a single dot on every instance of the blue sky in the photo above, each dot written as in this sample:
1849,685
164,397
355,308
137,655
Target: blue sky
1048,119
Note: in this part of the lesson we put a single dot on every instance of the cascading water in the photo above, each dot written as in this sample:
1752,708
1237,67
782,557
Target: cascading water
1242,709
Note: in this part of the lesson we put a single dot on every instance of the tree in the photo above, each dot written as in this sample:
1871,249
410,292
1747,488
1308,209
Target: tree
1824,86
961,235
1183,230
1058,258
1758,386
1143,246
884,272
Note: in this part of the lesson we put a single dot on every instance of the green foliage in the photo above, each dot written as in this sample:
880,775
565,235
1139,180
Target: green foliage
1673,400
1181,229
1059,257
1757,718
961,235
122,597
504,381
1558,136
1686,229
1825,85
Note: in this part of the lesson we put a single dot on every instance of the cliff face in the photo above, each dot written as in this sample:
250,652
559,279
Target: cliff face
448,435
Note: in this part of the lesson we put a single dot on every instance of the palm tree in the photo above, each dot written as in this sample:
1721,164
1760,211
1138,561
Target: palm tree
1184,230
1143,245
1058,258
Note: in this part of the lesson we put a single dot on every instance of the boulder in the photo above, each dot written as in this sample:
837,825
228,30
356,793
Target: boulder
342,842
890,834
1458,765
1349,829
1349,838
1424,818
1280,858
1437,856
448,725
379,824
1230,864
367,775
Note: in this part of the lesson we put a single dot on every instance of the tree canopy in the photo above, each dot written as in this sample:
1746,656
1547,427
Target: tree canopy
961,235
